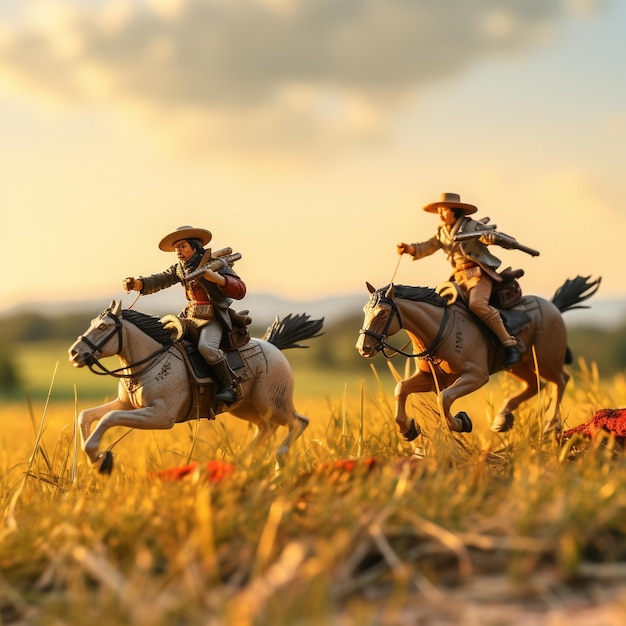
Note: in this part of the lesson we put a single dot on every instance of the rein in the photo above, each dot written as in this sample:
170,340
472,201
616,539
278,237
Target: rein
383,345
116,373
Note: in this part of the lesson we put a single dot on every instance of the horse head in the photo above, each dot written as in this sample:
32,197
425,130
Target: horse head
97,340
380,314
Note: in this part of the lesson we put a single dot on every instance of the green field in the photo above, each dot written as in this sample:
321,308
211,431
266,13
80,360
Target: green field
476,528
43,365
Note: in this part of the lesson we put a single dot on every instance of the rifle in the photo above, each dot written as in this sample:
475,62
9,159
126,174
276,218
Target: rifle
221,259
502,240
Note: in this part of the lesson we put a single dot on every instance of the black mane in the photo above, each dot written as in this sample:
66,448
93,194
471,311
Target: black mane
415,294
149,324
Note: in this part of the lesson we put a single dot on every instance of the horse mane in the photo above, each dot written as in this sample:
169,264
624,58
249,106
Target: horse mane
149,324
416,294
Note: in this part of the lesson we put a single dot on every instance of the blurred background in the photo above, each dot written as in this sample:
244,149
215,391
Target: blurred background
306,135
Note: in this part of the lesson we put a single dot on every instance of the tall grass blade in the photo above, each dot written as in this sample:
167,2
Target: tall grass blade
194,438
361,421
74,469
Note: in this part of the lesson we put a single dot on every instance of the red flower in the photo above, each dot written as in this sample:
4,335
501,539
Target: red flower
214,471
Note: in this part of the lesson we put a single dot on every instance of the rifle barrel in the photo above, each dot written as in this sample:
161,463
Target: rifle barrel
502,240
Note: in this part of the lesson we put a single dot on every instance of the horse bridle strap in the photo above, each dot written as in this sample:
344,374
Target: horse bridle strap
116,330
95,362
382,337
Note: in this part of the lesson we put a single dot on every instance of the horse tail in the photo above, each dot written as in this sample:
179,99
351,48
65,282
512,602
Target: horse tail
574,291
286,333
569,296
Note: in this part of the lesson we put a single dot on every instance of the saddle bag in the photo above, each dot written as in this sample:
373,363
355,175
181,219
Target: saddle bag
239,335
508,293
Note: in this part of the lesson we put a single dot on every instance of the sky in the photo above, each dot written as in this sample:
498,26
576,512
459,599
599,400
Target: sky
306,135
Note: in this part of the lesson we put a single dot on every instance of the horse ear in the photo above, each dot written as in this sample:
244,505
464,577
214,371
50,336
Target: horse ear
370,288
389,293
116,307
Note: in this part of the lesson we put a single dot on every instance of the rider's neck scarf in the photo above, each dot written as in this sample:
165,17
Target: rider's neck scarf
193,262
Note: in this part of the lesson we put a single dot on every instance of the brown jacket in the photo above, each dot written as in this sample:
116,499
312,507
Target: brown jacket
461,253
200,290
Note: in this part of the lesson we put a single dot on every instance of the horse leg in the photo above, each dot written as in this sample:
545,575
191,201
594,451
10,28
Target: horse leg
466,383
158,416
88,416
267,424
505,418
269,401
264,431
421,382
549,343
555,424
296,427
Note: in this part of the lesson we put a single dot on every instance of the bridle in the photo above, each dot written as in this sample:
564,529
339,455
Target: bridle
93,361
381,338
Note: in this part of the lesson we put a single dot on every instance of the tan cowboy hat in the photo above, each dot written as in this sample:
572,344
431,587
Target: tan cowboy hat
184,232
452,201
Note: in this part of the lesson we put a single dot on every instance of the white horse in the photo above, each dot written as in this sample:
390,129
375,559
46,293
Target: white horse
157,389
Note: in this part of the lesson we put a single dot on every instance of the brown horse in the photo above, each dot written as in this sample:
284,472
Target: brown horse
457,354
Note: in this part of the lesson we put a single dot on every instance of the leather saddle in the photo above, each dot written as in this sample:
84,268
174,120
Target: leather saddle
203,385
505,296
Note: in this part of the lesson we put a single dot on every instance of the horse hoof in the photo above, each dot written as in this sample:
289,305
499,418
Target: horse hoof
106,465
411,432
503,422
466,422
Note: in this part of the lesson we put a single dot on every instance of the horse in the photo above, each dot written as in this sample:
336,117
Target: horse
457,354
158,387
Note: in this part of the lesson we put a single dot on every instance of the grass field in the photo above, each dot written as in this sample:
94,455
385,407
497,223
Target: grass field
484,529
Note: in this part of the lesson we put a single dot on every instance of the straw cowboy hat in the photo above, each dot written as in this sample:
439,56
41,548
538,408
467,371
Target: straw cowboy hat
451,201
184,232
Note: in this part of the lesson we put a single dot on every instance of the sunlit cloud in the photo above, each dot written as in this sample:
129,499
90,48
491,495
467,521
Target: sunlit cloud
261,76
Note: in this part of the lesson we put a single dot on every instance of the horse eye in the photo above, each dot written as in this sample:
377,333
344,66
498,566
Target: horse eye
102,326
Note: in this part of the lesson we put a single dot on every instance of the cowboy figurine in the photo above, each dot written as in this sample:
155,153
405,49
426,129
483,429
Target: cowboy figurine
208,299
474,266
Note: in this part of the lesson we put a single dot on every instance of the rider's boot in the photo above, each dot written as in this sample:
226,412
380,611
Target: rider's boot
230,391
512,355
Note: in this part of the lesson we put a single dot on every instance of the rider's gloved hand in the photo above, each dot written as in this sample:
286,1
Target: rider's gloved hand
406,248
130,283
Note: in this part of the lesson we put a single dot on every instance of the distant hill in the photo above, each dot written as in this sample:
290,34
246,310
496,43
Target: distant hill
602,313
597,334
263,307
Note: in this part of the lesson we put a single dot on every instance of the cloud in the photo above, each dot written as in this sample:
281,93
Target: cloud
260,75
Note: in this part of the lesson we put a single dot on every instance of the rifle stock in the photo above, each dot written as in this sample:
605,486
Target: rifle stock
502,240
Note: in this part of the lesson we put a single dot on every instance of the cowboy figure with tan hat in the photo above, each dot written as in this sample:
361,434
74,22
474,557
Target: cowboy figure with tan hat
474,266
208,298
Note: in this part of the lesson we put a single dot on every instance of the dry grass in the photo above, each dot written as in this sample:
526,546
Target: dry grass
485,529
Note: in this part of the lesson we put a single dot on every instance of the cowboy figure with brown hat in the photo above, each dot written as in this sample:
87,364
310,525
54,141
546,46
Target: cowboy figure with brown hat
208,298
465,242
